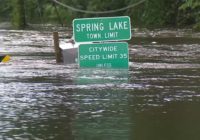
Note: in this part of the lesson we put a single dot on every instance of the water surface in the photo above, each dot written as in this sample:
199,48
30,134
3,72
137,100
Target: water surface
158,98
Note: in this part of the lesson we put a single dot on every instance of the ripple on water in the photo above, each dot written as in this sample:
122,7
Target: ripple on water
44,100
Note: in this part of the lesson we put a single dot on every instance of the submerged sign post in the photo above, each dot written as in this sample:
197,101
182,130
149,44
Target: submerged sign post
102,29
106,54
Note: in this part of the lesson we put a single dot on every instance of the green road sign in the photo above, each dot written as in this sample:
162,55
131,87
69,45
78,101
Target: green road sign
104,55
102,29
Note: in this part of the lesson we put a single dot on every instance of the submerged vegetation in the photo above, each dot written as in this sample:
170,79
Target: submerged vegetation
150,13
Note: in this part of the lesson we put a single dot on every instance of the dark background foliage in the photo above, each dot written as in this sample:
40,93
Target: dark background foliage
150,14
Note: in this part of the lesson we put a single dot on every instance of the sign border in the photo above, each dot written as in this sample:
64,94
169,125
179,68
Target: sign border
104,67
100,18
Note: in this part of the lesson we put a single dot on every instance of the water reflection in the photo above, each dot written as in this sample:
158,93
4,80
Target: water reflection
102,115
100,76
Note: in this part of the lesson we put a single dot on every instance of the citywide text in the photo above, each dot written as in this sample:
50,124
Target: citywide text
103,49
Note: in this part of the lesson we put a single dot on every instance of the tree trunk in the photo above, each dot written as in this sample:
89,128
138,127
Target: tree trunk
18,14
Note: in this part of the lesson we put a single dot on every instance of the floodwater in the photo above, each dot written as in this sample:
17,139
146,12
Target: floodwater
157,98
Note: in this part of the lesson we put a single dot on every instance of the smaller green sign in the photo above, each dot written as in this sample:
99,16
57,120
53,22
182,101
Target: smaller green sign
104,55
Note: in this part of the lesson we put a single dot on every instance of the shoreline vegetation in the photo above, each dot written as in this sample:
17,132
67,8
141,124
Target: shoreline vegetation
151,14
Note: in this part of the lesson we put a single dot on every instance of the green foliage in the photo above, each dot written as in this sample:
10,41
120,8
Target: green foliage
31,10
18,14
151,13
190,14
5,8
45,11
196,27
106,5
155,13
193,4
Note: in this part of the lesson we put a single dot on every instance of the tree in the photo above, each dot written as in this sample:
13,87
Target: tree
150,13
190,10
154,13
105,5
18,14
5,8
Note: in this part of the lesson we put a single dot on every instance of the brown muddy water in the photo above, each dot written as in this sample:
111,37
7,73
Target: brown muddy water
157,98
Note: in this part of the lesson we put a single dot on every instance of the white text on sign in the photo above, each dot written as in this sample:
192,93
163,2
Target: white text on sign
100,26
